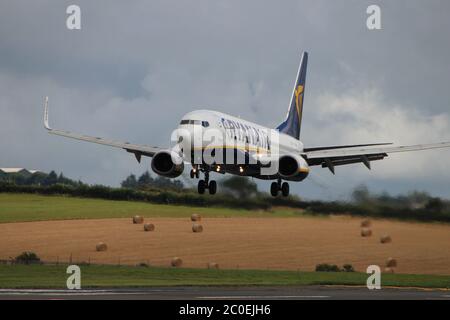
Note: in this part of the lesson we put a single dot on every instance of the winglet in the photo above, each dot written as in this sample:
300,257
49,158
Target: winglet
46,114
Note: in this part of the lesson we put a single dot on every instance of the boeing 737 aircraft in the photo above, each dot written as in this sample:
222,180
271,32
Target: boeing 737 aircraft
255,145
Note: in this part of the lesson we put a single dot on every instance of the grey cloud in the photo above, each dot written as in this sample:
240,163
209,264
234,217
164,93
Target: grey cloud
136,67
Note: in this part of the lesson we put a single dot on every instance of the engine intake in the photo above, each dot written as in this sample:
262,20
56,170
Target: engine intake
167,164
293,167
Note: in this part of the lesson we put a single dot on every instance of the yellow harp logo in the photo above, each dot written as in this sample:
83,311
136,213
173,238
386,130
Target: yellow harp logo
298,101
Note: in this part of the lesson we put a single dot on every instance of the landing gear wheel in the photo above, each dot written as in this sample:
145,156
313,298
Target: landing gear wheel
195,173
212,187
201,186
274,189
285,189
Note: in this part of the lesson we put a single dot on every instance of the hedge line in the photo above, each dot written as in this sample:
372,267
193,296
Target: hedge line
161,197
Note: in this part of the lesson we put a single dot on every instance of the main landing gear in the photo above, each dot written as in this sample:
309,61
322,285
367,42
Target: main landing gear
204,184
275,187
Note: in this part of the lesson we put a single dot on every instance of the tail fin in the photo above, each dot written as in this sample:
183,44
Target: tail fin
293,122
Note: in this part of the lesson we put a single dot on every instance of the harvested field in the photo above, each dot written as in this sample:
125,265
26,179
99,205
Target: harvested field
244,243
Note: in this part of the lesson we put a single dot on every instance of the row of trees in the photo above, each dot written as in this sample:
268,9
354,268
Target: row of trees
235,186
38,178
415,200
146,181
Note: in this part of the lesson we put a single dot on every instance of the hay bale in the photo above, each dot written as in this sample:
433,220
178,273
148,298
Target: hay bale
138,219
391,263
196,217
176,262
149,227
388,270
101,246
197,227
366,232
213,265
142,264
385,239
366,223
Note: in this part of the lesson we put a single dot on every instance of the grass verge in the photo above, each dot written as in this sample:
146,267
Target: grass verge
94,276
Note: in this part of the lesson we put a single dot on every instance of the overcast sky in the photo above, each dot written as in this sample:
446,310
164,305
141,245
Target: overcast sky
136,67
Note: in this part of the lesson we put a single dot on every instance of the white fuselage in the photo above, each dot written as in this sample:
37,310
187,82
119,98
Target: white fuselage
235,133
246,132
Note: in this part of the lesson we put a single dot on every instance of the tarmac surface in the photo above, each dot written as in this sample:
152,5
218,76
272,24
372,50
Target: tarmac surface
229,293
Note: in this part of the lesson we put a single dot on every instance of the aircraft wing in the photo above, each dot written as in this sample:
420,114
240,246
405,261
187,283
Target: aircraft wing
329,158
137,149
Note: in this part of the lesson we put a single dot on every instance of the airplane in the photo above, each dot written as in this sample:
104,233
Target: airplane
251,142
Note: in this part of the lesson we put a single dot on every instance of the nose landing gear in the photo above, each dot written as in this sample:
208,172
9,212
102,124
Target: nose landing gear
195,173
275,187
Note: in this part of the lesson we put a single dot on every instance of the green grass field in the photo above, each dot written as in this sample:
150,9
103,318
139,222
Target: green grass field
30,207
45,276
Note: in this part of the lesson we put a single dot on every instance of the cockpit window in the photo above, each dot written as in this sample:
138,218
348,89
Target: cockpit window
196,122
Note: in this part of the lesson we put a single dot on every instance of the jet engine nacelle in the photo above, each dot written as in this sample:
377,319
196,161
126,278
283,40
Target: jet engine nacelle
293,167
168,164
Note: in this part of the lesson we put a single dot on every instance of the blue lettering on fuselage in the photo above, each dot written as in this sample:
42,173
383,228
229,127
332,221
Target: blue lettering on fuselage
245,133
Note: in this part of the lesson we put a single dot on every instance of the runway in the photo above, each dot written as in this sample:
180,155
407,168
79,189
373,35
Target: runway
228,293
